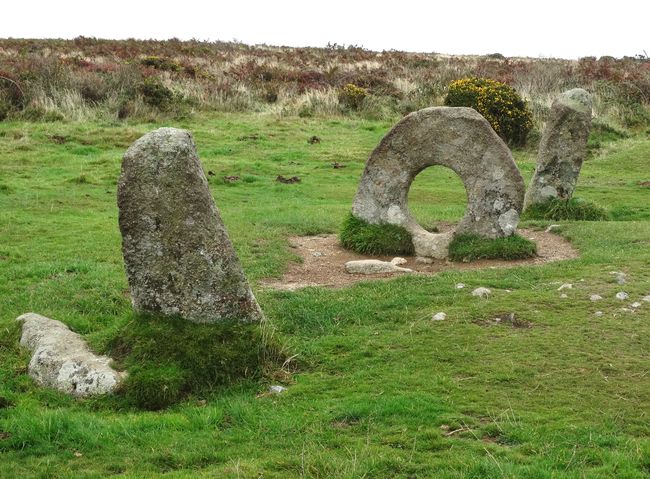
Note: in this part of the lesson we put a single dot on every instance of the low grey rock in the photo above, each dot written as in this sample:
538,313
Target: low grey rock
62,360
277,389
598,313
622,295
620,277
481,292
646,298
564,296
456,138
635,305
460,285
178,257
439,316
398,261
565,286
595,297
562,149
373,266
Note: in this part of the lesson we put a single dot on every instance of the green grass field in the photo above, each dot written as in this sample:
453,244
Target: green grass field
380,390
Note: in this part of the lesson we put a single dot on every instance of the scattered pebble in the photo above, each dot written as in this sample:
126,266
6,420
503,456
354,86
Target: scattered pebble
439,316
551,228
635,305
462,285
646,299
277,389
622,295
481,292
563,296
565,286
398,261
598,313
316,253
595,297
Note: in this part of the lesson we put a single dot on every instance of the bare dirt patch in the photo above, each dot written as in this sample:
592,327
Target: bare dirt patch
323,261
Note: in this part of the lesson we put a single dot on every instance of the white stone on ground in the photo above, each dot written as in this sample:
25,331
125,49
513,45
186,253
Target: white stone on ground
595,297
481,292
398,261
439,316
646,298
565,286
551,228
622,295
621,278
373,266
563,296
635,305
460,285
276,389
62,360
598,313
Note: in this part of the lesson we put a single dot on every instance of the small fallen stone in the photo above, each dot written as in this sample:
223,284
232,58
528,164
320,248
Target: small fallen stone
595,297
317,254
398,261
62,360
481,292
277,389
635,305
551,228
460,285
622,295
598,313
424,260
439,316
646,298
565,286
563,296
373,266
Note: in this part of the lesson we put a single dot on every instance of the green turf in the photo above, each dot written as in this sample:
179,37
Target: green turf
470,247
380,391
365,238
572,209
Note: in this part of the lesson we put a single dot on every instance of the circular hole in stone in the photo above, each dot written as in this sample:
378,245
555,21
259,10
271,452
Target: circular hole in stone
436,196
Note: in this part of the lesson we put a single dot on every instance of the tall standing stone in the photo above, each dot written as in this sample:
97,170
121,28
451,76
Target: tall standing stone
562,149
178,257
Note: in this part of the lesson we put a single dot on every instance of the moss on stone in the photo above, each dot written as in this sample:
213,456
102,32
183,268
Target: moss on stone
470,247
572,209
169,358
365,238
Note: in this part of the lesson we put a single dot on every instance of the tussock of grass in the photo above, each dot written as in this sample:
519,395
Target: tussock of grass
573,209
170,358
365,238
470,247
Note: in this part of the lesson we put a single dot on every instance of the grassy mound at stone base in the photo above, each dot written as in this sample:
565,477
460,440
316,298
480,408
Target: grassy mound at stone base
365,238
470,247
572,209
170,358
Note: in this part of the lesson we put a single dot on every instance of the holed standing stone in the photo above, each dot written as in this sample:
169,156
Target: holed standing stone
178,257
562,149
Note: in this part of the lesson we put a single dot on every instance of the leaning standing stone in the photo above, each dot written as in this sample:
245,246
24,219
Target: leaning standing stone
562,149
178,257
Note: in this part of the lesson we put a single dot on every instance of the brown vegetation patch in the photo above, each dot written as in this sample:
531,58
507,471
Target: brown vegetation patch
323,261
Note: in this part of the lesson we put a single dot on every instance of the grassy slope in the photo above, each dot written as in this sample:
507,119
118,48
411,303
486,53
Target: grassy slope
566,398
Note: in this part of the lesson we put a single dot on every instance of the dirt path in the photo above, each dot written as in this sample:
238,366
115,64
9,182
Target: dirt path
324,261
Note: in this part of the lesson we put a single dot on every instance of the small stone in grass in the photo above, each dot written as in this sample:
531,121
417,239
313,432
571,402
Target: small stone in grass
646,298
563,296
595,297
565,286
481,292
635,305
439,316
622,295
598,313
276,389
460,285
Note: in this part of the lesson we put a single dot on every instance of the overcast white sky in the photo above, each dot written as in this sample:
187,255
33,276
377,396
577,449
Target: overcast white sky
549,28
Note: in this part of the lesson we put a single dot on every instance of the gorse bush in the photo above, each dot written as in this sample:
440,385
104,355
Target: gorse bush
499,103
154,93
352,96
